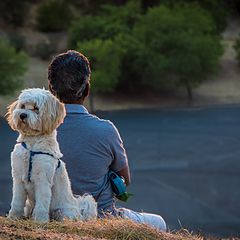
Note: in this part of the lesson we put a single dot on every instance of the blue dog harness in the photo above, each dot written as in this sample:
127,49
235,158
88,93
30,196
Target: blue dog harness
33,153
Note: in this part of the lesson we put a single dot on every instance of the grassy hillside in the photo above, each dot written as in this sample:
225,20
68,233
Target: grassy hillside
100,229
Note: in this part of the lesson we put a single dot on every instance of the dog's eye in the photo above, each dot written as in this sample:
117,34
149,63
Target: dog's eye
22,106
36,108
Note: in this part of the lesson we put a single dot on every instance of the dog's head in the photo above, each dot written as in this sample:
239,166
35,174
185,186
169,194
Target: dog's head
36,112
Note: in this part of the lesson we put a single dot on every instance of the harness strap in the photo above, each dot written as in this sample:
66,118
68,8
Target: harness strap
33,153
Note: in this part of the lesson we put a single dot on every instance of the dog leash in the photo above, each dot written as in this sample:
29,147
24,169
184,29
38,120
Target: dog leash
33,153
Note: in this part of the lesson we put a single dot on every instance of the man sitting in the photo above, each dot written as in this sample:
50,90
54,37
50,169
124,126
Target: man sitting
91,146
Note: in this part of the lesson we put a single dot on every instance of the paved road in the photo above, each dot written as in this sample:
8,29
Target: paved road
185,165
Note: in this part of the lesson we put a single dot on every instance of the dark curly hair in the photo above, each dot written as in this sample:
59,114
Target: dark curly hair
68,74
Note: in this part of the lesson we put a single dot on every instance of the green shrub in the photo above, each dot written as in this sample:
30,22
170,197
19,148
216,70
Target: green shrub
120,19
218,9
107,40
130,73
111,22
54,15
12,67
86,28
105,58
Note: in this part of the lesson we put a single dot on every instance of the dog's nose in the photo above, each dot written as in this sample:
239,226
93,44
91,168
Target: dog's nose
23,116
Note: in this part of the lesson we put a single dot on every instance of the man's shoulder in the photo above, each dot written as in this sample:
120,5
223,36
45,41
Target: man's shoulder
89,123
102,123
102,129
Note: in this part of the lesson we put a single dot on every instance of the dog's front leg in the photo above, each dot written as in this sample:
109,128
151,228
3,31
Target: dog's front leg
43,195
42,175
18,200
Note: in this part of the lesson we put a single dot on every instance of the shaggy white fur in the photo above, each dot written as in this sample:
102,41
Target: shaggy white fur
47,194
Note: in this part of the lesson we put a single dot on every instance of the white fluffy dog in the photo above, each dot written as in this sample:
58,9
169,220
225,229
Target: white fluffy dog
41,186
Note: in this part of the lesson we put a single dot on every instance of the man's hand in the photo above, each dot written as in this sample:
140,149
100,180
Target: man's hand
126,174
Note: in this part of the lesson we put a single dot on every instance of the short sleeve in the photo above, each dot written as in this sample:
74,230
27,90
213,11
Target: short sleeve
120,160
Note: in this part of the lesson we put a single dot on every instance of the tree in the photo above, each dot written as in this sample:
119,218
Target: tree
103,38
12,67
105,58
218,9
179,47
166,47
85,29
110,22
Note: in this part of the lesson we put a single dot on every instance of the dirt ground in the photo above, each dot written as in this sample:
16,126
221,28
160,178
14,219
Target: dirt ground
223,88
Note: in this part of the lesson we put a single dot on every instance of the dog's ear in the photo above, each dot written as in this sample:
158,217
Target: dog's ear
9,114
60,113
53,115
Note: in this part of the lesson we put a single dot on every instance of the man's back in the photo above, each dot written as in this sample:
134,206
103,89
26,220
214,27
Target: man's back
90,147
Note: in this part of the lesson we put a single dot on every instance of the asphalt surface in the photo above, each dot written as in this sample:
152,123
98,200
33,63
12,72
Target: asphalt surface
184,163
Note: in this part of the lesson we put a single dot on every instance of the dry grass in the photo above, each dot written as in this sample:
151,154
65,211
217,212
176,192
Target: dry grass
100,229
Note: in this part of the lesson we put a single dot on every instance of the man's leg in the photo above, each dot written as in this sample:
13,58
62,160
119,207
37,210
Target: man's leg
153,220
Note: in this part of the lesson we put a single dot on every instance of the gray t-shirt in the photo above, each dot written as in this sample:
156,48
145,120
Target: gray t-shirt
90,147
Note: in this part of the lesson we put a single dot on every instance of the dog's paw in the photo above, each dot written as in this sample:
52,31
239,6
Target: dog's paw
14,215
40,216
